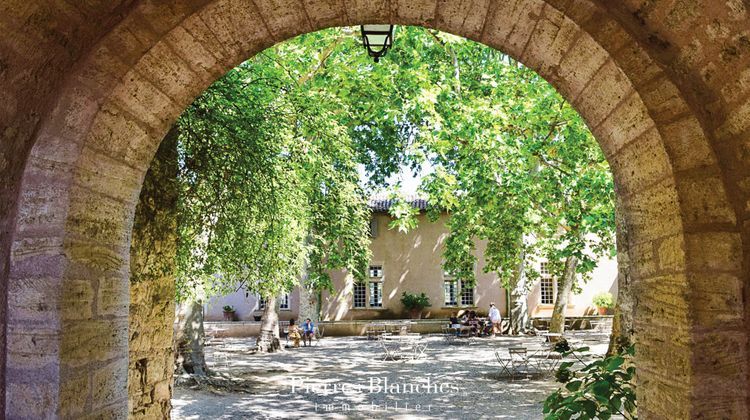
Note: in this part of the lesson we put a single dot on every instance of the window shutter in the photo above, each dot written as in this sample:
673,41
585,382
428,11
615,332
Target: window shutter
374,227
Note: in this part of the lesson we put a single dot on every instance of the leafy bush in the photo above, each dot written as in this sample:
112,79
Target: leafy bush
599,390
413,301
604,300
228,308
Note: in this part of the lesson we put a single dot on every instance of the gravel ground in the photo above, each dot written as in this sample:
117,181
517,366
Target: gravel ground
345,377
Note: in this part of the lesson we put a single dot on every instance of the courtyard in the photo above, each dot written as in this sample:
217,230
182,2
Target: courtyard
121,118
346,377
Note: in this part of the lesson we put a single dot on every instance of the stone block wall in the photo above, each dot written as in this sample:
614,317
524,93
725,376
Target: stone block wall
152,289
90,89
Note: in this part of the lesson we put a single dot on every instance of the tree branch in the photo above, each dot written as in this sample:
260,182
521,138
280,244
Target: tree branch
321,62
454,59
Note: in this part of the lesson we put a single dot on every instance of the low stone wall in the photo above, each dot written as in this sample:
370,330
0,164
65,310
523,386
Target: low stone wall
358,327
232,329
349,328
329,328
604,322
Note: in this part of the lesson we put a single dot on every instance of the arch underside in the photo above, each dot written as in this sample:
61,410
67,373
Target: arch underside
68,267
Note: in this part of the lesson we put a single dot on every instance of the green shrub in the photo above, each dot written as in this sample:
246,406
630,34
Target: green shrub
599,390
604,300
413,301
228,308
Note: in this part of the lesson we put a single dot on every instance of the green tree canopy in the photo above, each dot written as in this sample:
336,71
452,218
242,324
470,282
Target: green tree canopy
269,185
509,158
270,153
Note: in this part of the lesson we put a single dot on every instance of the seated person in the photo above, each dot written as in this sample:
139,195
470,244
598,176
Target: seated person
294,333
473,322
308,331
454,322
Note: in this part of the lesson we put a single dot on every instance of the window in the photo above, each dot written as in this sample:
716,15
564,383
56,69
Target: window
373,227
376,271
284,302
261,303
451,289
544,270
547,294
467,296
360,295
376,294
546,285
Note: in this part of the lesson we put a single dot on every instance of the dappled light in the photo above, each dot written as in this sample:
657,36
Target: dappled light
90,90
308,381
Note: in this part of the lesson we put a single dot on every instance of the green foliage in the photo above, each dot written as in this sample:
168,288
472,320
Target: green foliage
603,300
269,186
228,308
404,215
506,155
601,389
414,301
269,159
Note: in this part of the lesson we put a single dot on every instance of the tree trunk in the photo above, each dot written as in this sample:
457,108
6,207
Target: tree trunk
189,339
268,340
308,305
622,322
519,309
557,325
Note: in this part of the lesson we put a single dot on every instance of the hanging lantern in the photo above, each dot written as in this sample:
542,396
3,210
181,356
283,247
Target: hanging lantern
378,39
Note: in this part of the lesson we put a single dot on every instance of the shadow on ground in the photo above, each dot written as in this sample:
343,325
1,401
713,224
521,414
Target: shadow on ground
345,377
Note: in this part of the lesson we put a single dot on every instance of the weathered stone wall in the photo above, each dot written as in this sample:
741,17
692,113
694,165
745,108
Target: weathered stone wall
626,307
89,90
152,288
41,41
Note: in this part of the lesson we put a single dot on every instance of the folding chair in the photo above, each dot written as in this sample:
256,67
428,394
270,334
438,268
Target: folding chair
505,366
547,360
390,352
419,347
519,360
451,334
284,330
318,334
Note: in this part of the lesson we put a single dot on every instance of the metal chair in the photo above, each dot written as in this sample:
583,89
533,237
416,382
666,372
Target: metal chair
284,329
547,359
449,334
391,350
318,334
519,360
505,366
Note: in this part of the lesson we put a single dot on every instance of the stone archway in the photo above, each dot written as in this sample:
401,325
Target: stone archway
673,159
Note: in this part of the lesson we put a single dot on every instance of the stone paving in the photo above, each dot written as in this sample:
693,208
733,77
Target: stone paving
345,377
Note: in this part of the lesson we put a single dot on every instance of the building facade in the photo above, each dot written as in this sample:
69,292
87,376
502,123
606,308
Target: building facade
413,262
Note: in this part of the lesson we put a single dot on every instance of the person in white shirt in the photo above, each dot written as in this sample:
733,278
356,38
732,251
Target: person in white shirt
496,319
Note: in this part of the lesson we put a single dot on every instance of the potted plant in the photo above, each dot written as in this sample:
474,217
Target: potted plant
415,303
229,313
603,301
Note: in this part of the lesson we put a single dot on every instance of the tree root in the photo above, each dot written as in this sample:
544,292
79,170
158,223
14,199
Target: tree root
217,383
